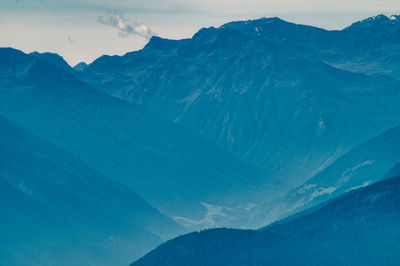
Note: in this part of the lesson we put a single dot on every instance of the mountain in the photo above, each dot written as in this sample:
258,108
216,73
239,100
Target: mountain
210,131
176,171
374,42
57,211
366,164
53,59
380,28
288,99
81,67
360,228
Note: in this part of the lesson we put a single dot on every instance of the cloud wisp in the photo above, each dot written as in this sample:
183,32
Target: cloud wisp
125,27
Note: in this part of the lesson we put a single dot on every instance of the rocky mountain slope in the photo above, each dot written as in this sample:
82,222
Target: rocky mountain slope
288,99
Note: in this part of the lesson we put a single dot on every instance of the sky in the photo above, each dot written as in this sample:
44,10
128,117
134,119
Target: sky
83,30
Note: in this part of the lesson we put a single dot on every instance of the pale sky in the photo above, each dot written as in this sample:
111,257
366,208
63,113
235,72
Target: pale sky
82,30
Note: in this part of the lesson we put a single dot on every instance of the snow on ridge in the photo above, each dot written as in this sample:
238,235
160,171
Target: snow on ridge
208,220
349,172
367,162
306,188
366,183
389,19
322,191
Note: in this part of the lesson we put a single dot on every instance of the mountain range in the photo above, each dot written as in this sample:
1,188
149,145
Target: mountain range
246,85
56,210
287,99
239,126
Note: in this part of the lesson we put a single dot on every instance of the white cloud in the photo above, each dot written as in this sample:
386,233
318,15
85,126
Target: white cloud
126,28
44,25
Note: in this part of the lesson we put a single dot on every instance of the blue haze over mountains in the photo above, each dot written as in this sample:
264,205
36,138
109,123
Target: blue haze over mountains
359,228
238,126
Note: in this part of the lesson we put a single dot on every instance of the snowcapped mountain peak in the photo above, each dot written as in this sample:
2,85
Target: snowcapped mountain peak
378,17
252,23
379,20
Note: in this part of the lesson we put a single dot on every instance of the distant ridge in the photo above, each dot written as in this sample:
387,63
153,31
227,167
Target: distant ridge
235,127
285,98
360,228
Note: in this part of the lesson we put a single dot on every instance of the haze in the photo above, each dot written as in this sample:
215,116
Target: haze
84,30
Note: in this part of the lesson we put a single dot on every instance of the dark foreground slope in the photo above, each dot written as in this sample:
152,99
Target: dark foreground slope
57,211
359,228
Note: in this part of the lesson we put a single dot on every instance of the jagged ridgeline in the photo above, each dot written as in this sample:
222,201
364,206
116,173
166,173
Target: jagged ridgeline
238,126
288,99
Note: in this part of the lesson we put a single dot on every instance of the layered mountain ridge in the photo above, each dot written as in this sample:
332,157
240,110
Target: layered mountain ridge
237,126
254,78
52,202
360,227
172,168
288,99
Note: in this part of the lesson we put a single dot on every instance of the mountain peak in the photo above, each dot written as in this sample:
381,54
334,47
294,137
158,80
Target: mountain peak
382,19
53,59
248,24
263,20
374,21
8,53
159,43
80,67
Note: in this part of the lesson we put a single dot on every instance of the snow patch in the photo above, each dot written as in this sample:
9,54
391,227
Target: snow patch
208,221
348,173
366,183
306,188
322,191
367,162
